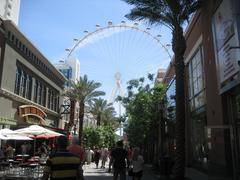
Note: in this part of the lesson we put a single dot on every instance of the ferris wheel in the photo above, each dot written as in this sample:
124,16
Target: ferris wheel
114,54
100,33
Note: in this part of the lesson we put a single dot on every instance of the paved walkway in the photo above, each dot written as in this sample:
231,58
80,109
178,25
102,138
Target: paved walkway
92,173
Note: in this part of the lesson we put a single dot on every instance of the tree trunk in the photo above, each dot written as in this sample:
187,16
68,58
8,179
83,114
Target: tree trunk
179,47
81,116
98,120
71,118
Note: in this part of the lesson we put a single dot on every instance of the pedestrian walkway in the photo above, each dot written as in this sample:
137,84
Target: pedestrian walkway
92,173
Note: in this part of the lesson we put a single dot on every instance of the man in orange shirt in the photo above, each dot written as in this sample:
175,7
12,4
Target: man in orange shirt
76,149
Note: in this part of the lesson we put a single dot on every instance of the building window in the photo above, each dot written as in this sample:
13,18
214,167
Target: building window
39,93
52,101
29,88
16,41
196,81
9,35
23,87
171,102
58,103
12,38
22,84
49,98
196,89
17,81
43,102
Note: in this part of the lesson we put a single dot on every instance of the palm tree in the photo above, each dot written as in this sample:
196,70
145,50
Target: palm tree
84,92
173,14
102,111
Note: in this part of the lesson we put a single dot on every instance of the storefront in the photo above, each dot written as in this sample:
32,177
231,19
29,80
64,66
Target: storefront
212,60
226,29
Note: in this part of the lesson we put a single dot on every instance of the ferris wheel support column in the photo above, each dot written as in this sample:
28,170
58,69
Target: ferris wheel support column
117,91
120,113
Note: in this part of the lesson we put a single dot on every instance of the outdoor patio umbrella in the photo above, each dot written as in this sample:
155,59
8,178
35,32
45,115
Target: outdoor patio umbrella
7,134
3,137
35,131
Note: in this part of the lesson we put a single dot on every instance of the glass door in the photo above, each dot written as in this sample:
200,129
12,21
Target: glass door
220,158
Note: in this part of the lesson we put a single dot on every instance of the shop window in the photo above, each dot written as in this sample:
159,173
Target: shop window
199,141
196,85
196,93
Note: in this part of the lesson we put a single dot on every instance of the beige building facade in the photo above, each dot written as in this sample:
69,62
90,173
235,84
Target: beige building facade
30,86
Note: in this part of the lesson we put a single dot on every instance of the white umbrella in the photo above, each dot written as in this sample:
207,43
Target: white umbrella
36,131
3,137
7,134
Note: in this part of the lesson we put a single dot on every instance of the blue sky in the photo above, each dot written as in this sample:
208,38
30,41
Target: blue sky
51,25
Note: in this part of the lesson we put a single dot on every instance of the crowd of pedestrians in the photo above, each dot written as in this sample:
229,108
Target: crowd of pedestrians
67,161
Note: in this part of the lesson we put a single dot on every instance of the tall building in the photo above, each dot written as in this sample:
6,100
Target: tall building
70,69
74,63
9,10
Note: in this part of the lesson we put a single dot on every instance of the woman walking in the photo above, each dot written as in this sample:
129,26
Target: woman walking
137,163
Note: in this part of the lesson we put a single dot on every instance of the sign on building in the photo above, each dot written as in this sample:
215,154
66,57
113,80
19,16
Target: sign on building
32,114
226,40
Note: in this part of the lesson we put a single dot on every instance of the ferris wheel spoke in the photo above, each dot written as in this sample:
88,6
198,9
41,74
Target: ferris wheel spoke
153,53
